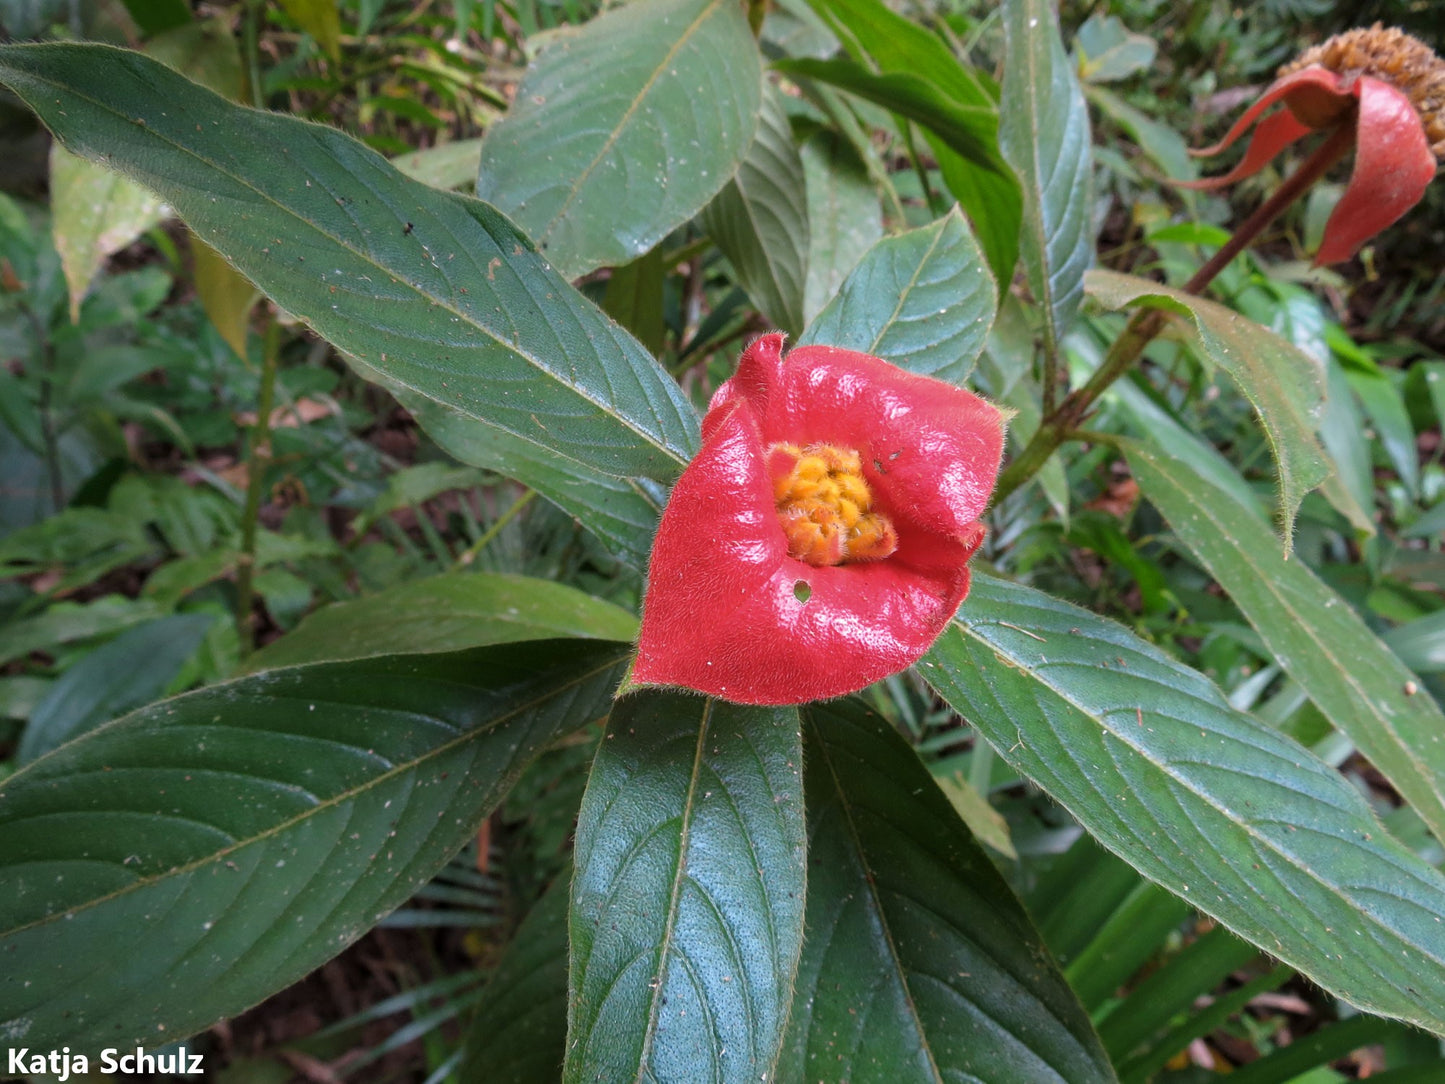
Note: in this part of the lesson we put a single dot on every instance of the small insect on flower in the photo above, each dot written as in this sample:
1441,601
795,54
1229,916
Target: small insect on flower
1378,91
820,539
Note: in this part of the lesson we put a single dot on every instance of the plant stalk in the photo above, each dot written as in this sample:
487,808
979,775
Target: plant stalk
258,459
1061,423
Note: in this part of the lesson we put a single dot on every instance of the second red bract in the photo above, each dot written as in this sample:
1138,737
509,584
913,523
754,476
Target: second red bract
820,539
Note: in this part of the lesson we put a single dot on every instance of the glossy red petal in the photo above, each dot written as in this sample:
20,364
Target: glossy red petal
930,450
1318,79
725,613
1276,132
1393,167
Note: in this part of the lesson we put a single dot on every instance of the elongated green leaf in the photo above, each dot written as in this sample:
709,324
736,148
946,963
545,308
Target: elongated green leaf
1351,676
919,964
623,130
179,864
450,612
1286,385
622,512
687,901
518,1030
1044,134
894,45
131,670
843,217
435,290
760,219
1239,820
634,299
923,300
1163,145
969,127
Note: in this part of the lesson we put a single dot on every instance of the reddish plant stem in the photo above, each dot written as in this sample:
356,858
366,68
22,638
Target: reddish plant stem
1145,324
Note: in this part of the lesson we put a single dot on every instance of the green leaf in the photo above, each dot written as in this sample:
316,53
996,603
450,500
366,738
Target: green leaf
760,219
919,964
1044,134
897,46
923,300
634,299
96,214
451,165
1108,51
1420,644
843,217
320,19
1314,635
227,295
449,612
131,670
1386,410
67,622
1159,142
1210,803
518,1030
179,864
687,901
1285,385
435,290
623,130
969,127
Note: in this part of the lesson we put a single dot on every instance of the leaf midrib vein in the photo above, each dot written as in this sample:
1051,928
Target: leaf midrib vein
1264,842
324,805
445,304
626,118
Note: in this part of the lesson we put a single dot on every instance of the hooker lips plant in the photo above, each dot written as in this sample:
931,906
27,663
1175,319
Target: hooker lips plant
819,541
760,892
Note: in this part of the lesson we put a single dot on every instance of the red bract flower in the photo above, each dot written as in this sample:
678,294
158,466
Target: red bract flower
1379,91
820,540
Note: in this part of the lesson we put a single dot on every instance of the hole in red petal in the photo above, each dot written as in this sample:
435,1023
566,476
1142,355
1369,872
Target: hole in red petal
801,591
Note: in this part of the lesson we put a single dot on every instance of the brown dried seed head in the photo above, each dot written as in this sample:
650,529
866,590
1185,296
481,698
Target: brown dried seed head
1393,57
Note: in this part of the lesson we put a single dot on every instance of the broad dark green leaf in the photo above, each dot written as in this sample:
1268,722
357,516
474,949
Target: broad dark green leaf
919,963
894,45
435,290
687,901
518,1030
450,612
1239,820
1314,635
1044,134
623,130
1286,385
843,217
179,864
923,300
760,219
130,671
